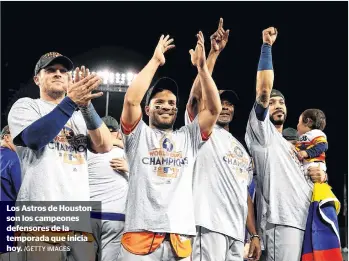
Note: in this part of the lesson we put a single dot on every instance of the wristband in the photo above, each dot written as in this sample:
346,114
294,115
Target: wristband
255,236
265,60
91,117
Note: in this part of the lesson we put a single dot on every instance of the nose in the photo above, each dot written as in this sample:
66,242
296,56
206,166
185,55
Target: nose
58,73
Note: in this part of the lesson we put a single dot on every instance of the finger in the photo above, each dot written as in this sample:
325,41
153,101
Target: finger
70,77
87,72
202,36
169,41
77,74
81,84
227,33
161,38
169,47
221,32
166,38
191,52
83,71
220,25
93,83
94,96
251,250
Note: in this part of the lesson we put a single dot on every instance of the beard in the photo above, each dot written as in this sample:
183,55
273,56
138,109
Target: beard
278,121
55,94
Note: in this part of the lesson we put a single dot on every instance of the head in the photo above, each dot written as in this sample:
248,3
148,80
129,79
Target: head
290,135
229,100
52,74
161,104
6,138
277,108
114,127
311,119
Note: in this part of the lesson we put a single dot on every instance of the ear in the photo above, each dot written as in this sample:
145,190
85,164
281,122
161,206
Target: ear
147,110
36,79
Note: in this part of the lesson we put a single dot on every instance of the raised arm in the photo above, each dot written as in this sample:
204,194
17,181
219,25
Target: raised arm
212,106
265,73
131,112
218,42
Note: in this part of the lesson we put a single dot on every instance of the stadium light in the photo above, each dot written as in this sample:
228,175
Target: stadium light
113,82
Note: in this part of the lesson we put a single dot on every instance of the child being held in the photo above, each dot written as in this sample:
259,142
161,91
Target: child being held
312,143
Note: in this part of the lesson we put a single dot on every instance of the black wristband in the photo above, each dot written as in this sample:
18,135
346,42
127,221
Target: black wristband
255,236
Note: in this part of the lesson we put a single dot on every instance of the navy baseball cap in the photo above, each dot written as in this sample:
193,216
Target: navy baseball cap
164,83
276,93
111,123
230,96
290,134
50,58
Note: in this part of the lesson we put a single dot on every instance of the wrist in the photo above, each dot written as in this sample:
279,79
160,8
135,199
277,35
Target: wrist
255,236
91,117
203,69
214,53
155,61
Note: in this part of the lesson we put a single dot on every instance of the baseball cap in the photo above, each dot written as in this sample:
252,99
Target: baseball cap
50,58
5,131
164,83
275,93
290,134
230,96
111,123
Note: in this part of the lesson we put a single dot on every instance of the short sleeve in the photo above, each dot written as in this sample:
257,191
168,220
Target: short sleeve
22,114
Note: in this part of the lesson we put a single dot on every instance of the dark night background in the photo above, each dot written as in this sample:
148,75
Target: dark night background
310,54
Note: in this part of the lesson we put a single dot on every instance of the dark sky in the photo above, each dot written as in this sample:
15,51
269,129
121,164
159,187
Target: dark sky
310,54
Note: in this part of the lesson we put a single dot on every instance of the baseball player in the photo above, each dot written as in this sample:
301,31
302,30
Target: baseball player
291,135
222,174
108,179
10,167
284,192
159,212
10,183
51,139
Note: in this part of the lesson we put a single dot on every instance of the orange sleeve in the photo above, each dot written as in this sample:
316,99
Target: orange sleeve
127,128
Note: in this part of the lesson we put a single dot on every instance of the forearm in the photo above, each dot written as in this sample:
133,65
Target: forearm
197,98
99,133
44,130
141,83
250,224
317,150
265,76
210,92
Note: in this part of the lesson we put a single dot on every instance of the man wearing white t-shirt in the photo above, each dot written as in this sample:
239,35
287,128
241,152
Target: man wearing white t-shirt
108,179
52,135
222,174
160,212
283,189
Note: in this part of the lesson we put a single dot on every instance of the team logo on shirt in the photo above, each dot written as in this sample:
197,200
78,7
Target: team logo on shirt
236,160
71,148
166,161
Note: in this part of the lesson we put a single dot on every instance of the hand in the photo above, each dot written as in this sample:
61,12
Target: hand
316,174
255,251
302,155
118,143
269,35
119,164
163,46
80,74
198,57
80,92
220,38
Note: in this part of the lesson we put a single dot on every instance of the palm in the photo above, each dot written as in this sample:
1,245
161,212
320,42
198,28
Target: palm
164,45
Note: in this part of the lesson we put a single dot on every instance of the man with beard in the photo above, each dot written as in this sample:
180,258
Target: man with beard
51,139
283,190
159,212
222,174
